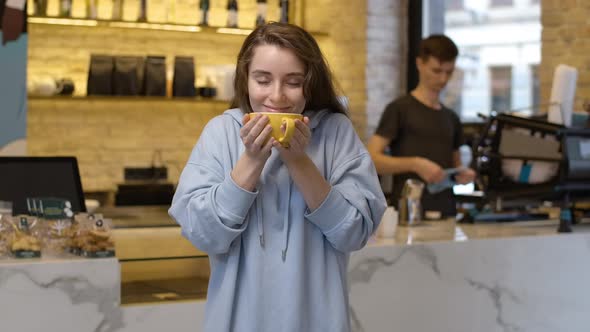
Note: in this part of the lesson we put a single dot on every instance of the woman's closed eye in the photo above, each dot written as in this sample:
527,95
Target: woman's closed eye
294,84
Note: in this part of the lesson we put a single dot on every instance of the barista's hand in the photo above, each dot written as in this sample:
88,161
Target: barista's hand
465,176
255,135
429,171
298,144
12,24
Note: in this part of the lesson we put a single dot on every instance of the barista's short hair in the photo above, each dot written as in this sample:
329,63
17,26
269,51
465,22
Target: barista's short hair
440,47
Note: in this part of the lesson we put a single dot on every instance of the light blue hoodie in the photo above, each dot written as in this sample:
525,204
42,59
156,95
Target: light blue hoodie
275,265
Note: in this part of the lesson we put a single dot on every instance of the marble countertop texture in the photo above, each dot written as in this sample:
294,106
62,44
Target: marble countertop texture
444,276
436,276
60,294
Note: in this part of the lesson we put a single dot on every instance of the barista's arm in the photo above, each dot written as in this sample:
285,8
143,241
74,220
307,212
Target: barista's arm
426,169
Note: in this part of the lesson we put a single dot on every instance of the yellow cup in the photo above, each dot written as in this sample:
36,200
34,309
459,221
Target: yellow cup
276,120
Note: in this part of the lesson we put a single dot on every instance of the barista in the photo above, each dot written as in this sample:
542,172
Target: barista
423,135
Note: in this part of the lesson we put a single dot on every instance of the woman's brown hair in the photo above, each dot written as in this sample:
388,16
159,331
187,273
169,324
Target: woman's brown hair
318,87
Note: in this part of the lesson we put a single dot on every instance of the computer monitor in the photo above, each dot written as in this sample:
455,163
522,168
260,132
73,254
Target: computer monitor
23,177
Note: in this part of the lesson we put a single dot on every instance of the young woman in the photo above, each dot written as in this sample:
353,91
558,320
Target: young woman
279,223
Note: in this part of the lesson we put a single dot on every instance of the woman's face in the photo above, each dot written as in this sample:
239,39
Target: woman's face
275,80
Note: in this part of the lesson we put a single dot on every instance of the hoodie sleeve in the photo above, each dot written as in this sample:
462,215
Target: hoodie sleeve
354,206
208,205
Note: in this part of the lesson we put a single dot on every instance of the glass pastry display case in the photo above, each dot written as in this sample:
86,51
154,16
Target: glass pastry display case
157,263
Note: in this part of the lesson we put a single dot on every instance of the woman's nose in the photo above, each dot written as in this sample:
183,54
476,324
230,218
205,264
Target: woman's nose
277,92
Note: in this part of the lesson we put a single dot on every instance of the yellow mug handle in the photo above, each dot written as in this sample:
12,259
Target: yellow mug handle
289,131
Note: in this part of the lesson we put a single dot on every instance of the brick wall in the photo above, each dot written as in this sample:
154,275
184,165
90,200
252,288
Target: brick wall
386,57
107,135
565,39
345,22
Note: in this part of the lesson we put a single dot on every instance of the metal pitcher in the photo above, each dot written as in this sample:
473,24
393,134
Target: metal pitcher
410,207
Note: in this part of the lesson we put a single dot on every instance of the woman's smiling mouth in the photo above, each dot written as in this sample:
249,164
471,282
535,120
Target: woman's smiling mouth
277,109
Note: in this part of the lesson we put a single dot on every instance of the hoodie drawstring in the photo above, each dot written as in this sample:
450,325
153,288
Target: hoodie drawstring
259,221
260,227
286,222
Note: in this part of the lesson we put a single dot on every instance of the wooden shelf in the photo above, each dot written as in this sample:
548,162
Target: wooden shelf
129,98
135,25
82,22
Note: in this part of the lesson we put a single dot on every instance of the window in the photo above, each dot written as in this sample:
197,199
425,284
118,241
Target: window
501,3
454,5
508,37
501,88
535,88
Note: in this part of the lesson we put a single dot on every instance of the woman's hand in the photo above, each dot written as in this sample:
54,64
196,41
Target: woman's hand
305,175
255,134
298,144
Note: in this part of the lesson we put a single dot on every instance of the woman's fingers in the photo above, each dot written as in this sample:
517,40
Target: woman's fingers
260,142
248,122
302,135
245,118
303,128
253,128
269,144
299,140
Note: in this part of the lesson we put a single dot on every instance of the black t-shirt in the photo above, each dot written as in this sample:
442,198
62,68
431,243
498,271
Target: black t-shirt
416,130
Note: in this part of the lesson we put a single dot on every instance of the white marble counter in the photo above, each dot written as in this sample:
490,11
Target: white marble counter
530,283
439,276
72,294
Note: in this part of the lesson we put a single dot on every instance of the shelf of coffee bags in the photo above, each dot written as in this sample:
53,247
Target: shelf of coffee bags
143,25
